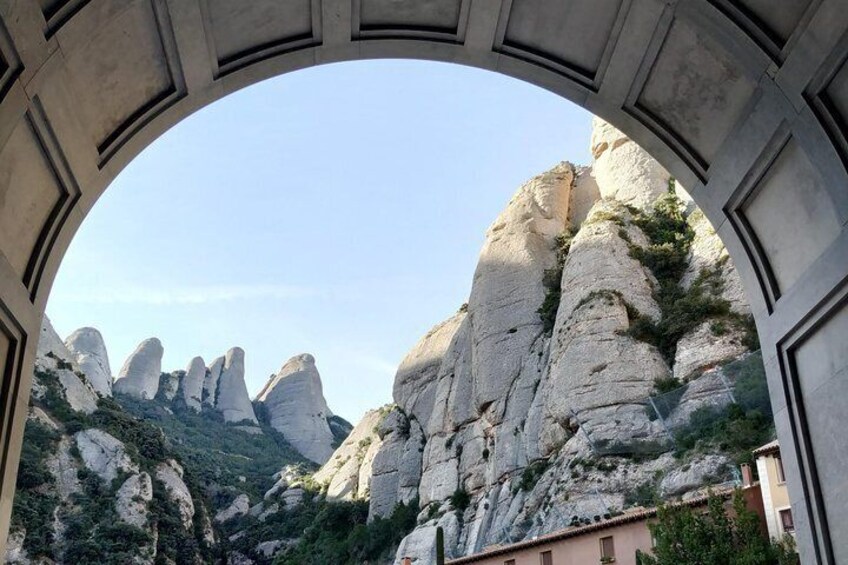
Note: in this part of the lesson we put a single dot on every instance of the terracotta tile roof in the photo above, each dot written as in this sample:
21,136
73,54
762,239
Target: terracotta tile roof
558,535
767,449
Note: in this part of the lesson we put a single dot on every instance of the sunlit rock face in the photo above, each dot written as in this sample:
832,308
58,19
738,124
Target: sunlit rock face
347,473
53,356
170,473
500,396
104,454
193,383
139,377
88,349
50,344
623,170
596,371
295,404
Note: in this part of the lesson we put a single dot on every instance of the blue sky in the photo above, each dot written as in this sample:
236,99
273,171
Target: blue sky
337,210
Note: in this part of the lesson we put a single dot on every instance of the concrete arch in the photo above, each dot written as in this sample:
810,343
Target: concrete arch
744,101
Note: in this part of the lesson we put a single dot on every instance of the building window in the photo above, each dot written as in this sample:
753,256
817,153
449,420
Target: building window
509,562
546,558
607,550
786,521
781,478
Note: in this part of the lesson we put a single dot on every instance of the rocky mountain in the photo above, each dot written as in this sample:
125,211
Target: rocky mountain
96,485
597,289
139,477
605,360
220,386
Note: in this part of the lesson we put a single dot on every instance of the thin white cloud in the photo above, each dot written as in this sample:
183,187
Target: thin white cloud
185,295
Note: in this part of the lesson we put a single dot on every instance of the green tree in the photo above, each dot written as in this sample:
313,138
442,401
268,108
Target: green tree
713,537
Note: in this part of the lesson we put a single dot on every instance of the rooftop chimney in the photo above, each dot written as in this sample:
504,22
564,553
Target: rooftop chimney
747,475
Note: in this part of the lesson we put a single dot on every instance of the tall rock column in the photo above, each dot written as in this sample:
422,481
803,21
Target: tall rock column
233,400
295,402
139,377
508,282
193,383
89,351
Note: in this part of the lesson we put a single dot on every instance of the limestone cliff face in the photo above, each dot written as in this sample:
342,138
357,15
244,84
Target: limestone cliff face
139,377
507,406
295,404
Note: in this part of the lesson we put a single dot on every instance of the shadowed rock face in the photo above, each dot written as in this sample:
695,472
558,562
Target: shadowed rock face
139,376
210,383
296,407
88,349
233,401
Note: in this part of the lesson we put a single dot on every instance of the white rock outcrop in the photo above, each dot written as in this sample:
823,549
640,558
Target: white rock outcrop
709,344
49,342
52,356
347,473
708,253
396,467
170,473
193,383
295,403
233,401
103,454
238,507
169,384
79,394
63,467
15,552
598,374
132,499
139,377
88,350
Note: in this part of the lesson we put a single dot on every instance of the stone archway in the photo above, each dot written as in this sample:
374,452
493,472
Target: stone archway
744,101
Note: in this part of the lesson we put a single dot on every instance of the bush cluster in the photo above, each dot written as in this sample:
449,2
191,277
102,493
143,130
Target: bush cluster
670,239
330,532
35,500
531,474
738,428
686,535
552,280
